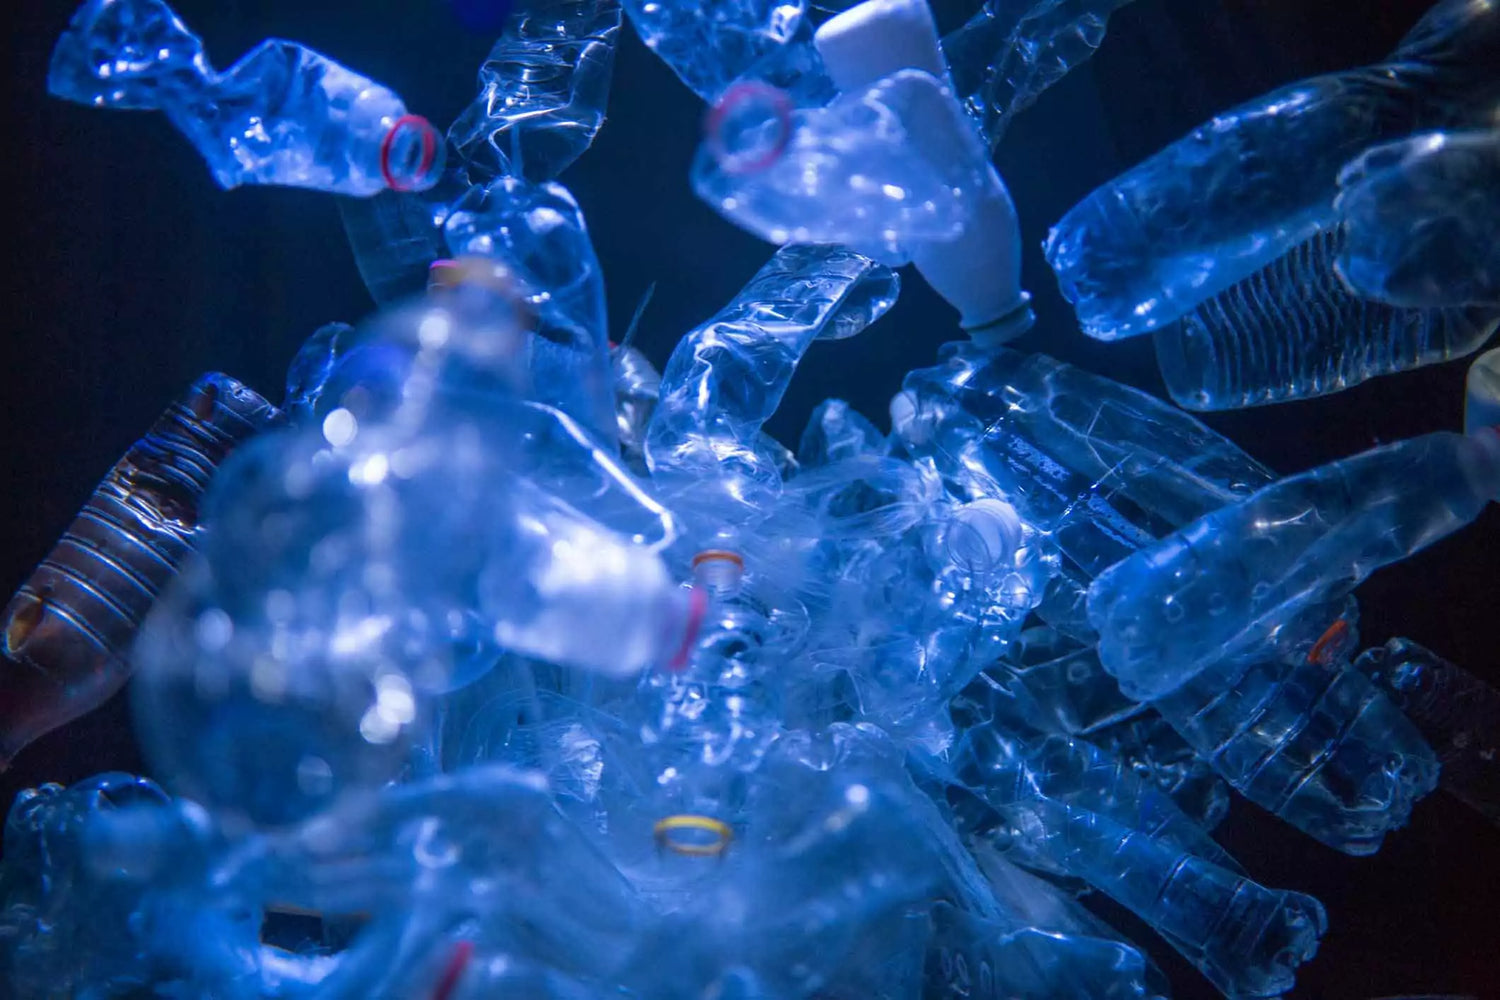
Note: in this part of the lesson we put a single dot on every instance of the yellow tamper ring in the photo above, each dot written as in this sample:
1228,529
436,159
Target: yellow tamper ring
667,826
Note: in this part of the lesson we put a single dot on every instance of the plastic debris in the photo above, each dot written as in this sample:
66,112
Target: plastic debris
502,662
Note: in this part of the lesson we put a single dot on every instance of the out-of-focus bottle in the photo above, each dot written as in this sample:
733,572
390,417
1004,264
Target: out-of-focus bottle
69,629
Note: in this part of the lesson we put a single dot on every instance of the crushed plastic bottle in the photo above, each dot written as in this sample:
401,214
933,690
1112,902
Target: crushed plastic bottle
709,43
542,92
283,114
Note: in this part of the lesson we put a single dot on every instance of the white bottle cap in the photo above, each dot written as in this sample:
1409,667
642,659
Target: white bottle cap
980,272
1482,404
876,38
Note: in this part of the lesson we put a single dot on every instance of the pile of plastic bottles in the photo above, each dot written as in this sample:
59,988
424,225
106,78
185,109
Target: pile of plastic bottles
495,662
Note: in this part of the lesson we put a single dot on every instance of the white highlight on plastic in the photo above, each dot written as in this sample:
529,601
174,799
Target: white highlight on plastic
1482,401
340,427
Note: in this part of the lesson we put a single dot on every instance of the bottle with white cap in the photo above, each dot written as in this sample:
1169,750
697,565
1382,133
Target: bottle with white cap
980,271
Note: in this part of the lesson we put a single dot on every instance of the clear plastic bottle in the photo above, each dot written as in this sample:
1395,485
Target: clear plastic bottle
542,92
727,377
1420,216
1294,330
708,43
283,114
1243,188
1224,586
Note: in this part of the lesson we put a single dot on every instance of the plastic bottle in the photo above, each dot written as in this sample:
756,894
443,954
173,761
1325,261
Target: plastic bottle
396,236
727,377
1007,54
862,171
538,232
1420,217
708,44
1245,187
67,631
979,271
1222,587
1457,712
542,92
283,114
1294,330
1482,393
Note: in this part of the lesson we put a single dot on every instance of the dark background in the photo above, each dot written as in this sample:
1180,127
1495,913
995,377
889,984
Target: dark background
132,273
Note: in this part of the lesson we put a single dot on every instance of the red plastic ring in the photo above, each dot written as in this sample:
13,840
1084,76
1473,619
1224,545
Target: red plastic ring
429,149
737,94
697,611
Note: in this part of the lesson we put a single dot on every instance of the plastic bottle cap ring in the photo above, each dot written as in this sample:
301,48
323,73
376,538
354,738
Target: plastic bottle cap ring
668,830
429,151
736,97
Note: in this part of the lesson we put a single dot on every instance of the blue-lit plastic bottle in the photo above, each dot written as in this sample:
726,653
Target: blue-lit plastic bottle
542,92
726,378
1007,54
1419,218
1294,330
1457,712
708,44
1222,587
283,114
1246,186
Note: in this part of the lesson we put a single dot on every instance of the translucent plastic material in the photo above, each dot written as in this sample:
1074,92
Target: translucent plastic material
708,43
863,171
1456,711
1225,584
542,92
1294,330
538,231
283,114
1009,52
1482,393
67,631
726,377
1420,217
1245,187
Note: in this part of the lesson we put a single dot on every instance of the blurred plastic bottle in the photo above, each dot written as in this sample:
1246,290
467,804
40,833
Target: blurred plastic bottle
1293,330
68,629
396,236
1242,189
711,42
1420,217
1482,393
1008,53
283,114
834,432
1458,713
542,92
1222,587
861,171
727,377
538,231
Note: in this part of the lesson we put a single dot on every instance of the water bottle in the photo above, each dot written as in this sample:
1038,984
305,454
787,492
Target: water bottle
1224,586
1243,188
727,377
709,44
1007,54
68,630
283,114
538,232
1457,712
542,92
1418,217
1294,330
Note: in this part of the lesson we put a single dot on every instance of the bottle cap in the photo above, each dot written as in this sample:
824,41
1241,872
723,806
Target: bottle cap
876,38
411,155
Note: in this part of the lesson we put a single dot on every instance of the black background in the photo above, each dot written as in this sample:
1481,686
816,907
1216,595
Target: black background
131,273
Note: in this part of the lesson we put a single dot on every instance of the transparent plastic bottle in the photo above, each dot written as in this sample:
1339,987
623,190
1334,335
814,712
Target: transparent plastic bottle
283,114
1243,188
